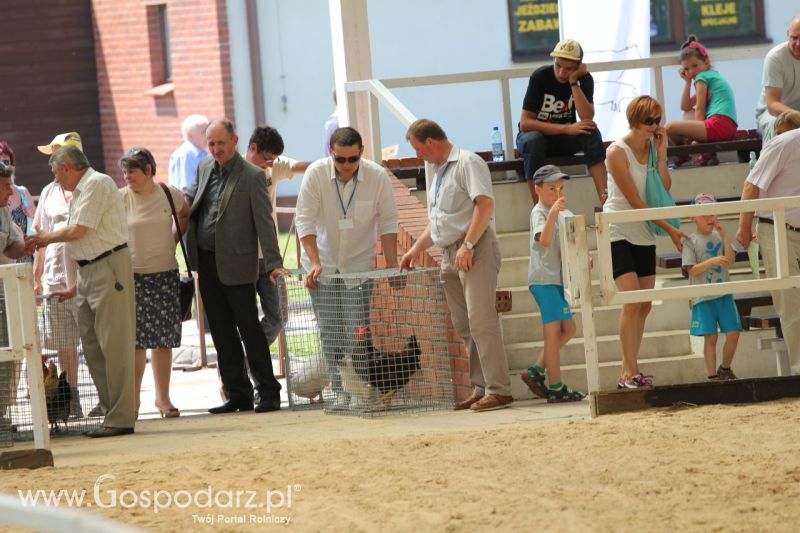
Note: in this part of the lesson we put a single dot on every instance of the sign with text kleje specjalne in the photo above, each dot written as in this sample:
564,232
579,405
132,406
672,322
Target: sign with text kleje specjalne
714,19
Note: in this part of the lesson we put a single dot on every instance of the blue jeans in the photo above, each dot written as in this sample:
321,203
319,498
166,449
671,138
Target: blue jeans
340,309
536,146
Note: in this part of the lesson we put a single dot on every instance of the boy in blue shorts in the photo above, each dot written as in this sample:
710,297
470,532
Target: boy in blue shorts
546,285
706,256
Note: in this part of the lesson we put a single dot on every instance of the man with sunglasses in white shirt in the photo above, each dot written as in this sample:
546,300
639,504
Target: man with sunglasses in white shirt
344,202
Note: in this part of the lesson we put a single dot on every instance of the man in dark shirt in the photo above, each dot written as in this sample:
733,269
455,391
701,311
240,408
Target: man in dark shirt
230,217
549,126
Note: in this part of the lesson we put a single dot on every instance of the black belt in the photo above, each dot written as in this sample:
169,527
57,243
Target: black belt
770,221
84,262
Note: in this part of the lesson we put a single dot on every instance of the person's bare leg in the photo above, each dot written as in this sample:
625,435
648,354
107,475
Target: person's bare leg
729,349
710,354
140,362
68,361
685,131
600,177
161,362
629,326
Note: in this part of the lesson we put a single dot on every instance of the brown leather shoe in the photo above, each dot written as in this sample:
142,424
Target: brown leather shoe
466,404
490,402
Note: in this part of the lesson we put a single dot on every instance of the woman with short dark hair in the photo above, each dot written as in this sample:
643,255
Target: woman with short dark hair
152,236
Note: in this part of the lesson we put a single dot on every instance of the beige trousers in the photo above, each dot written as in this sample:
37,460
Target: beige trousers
107,320
471,299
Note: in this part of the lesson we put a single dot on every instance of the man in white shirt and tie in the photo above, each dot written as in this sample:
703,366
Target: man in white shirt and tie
344,202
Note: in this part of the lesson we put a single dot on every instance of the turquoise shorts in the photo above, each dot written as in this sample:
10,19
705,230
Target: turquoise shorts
551,302
707,315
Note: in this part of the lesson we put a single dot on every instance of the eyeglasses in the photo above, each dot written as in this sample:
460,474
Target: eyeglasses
351,159
649,121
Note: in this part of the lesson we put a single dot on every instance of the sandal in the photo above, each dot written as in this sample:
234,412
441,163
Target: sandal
172,412
564,394
535,382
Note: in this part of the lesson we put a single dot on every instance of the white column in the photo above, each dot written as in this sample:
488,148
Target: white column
352,61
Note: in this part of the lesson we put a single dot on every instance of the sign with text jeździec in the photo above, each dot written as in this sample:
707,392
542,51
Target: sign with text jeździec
534,28
710,19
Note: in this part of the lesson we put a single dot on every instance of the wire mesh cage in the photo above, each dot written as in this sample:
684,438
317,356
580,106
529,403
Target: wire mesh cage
70,395
305,374
380,340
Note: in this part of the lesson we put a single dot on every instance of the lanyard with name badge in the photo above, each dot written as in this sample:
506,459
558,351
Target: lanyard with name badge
439,179
345,223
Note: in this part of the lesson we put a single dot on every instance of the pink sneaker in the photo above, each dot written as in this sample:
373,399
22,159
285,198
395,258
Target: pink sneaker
637,381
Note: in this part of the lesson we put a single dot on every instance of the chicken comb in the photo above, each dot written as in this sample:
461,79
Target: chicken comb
362,331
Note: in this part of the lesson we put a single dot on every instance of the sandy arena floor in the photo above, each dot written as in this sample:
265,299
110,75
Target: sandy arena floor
535,466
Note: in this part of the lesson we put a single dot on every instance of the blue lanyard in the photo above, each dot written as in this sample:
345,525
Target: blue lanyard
339,194
439,179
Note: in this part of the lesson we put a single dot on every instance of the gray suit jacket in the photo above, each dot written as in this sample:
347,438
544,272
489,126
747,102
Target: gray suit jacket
244,221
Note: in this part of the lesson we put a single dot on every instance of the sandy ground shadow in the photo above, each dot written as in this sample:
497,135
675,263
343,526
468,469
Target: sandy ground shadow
535,466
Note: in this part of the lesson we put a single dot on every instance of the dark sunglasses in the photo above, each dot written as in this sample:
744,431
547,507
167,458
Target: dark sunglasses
341,159
649,121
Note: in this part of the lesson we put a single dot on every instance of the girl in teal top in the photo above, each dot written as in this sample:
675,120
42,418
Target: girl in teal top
710,114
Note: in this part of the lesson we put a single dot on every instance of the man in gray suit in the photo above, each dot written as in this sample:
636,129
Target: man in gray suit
230,216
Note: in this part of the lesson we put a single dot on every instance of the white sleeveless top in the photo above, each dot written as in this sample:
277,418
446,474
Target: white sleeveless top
633,232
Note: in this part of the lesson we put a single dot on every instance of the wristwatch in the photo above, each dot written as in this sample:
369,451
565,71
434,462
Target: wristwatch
574,83
469,245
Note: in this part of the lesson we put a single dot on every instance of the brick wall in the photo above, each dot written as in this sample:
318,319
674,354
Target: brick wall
412,218
129,65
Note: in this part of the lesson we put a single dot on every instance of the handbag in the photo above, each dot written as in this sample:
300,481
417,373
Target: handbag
186,283
656,195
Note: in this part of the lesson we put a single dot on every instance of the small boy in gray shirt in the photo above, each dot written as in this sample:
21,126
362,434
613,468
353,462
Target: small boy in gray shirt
705,258
546,286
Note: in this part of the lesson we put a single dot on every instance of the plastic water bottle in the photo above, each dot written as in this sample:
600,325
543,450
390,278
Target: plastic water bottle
752,160
497,145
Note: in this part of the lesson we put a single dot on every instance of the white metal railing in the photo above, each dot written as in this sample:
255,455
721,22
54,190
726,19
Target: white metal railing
23,342
380,94
577,278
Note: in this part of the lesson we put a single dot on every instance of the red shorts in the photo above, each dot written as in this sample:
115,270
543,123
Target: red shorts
720,128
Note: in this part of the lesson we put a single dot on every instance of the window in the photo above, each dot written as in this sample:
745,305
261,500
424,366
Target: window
164,34
158,36
534,24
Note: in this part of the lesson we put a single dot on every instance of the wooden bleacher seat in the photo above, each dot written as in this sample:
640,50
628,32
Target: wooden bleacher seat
745,142
746,302
764,321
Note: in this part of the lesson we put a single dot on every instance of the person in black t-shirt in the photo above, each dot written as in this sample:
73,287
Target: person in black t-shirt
549,125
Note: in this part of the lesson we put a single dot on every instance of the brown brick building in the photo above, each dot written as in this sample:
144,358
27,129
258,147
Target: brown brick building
156,64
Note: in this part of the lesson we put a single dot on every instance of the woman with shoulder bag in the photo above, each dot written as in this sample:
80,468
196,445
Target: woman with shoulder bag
639,157
152,236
